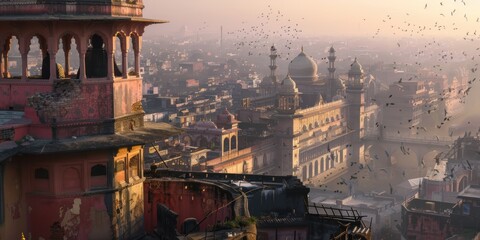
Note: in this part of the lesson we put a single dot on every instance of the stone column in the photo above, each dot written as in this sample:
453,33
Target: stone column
1,65
24,48
110,48
5,57
5,64
52,51
82,51
24,55
137,48
125,46
67,41
53,65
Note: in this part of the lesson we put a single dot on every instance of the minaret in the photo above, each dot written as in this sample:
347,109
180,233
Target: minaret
356,104
286,131
273,65
331,63
269,85
330,82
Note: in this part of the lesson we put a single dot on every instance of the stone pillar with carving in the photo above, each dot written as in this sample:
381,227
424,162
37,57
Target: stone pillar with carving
110,48
52,51
137,48
6,49
2,40
125,45
67,42
24,48
82,51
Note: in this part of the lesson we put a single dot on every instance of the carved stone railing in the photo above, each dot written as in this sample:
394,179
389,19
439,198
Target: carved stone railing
132,8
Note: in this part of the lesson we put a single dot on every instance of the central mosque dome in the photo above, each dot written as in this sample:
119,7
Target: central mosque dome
303,69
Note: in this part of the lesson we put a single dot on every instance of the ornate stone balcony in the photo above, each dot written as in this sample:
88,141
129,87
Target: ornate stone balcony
125,8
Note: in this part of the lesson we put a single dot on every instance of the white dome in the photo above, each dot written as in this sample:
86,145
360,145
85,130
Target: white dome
303,68
288,85
356,68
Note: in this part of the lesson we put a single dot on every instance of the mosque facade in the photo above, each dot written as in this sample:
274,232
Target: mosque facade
302,125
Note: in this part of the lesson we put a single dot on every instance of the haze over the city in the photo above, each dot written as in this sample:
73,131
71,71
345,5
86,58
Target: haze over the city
246,119
318,17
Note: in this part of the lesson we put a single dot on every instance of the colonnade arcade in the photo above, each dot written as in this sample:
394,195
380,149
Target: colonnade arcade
67,38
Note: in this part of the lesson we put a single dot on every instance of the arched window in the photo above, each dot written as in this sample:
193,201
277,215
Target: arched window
11,48
133,56
322,165
245,167
226,145
120,46
234,142
134,168
96,59
316,168
98,174
37,54
67,55
120,171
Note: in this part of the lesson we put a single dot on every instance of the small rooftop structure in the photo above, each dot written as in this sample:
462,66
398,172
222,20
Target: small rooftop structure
428,207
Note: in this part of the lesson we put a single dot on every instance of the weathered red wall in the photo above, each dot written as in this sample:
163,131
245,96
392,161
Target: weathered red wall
14,93
80,217
128,92
427,227
195,201
14,202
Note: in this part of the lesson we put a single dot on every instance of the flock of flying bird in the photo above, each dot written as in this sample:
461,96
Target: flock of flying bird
452,18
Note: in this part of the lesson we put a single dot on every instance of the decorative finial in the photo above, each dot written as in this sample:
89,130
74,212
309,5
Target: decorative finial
302,48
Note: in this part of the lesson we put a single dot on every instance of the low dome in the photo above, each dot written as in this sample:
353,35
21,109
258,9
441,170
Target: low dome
288,85
356,68
332,50
303,68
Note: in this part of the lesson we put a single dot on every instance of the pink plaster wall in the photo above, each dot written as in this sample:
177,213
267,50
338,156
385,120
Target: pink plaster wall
15,93
126,92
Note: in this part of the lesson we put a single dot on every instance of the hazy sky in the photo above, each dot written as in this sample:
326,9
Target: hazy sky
318,17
